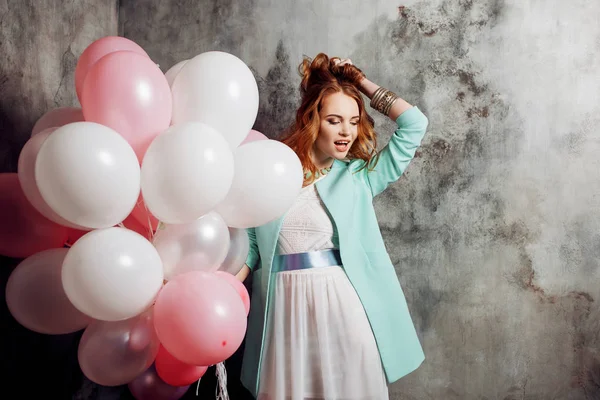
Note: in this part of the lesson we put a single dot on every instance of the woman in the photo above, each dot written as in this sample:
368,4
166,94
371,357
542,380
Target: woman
328,317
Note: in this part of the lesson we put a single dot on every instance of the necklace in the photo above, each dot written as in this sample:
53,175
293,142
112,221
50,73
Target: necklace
320,172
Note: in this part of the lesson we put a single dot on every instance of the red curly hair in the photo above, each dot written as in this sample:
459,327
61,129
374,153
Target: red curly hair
320,78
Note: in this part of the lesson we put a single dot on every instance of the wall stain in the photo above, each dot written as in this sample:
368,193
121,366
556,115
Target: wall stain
576,304
439,149
482,112
402,11
468,78
276,111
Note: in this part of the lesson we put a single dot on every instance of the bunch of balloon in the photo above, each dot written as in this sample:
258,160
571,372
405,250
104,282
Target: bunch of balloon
131,214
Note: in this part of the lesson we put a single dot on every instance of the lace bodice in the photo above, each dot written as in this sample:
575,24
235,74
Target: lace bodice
307,225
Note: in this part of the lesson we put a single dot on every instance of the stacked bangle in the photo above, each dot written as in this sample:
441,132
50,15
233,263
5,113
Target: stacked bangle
383,100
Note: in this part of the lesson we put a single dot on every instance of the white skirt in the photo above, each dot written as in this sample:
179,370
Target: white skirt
320,345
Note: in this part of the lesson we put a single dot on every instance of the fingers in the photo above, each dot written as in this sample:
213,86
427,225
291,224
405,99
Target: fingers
341,61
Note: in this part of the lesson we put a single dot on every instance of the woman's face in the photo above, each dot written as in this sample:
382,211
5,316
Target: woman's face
339,128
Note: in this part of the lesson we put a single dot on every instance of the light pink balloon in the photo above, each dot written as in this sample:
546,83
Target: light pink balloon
26,172
114,353
238,286
36,298
57,118
253,136
199,318
97,50
127,92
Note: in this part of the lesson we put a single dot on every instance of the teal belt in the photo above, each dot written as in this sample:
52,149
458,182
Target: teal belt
311,259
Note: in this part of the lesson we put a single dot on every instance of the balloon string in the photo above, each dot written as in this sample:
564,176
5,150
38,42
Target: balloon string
221,392
150,230
198,387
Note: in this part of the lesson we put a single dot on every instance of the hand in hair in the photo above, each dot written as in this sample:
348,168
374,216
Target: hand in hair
324,69
338,62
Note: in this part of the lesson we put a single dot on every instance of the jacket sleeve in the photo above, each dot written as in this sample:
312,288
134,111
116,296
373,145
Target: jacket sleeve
253,254
397,154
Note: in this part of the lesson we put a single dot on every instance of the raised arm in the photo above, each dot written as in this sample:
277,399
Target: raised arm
401,149
369,88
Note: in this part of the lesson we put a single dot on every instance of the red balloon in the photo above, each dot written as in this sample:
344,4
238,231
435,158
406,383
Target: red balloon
175,372
23,230
199,318
238,286
143,216
127,92
149,386
131,223
97,50
74,235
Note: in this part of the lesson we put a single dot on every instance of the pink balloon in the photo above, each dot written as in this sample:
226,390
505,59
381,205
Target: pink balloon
127,92
26,172
238,286
57,118
175,372
114,353
253,136
36,299
199,318
96,51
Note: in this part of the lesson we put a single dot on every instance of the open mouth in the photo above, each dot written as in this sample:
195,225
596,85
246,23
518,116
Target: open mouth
342,145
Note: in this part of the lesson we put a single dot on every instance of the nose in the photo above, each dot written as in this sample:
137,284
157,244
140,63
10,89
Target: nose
345,131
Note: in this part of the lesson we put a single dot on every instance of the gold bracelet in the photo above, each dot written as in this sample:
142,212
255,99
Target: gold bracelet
376,97
390,103
383,100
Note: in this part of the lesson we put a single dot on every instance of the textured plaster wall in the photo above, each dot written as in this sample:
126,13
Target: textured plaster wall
494,229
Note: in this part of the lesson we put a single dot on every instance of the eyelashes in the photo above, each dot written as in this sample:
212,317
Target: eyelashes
337,122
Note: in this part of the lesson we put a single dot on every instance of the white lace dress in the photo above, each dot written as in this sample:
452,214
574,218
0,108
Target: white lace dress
320,344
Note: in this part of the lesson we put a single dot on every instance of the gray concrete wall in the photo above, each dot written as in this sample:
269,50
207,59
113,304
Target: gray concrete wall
40,43
494,229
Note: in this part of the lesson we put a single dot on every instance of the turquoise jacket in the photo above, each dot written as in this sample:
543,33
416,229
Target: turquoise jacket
348,194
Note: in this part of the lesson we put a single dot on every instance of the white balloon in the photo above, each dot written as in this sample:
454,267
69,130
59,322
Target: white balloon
186,172
200,245
218,89
26,173
172,73
238,251
112,274
88,174
268,178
